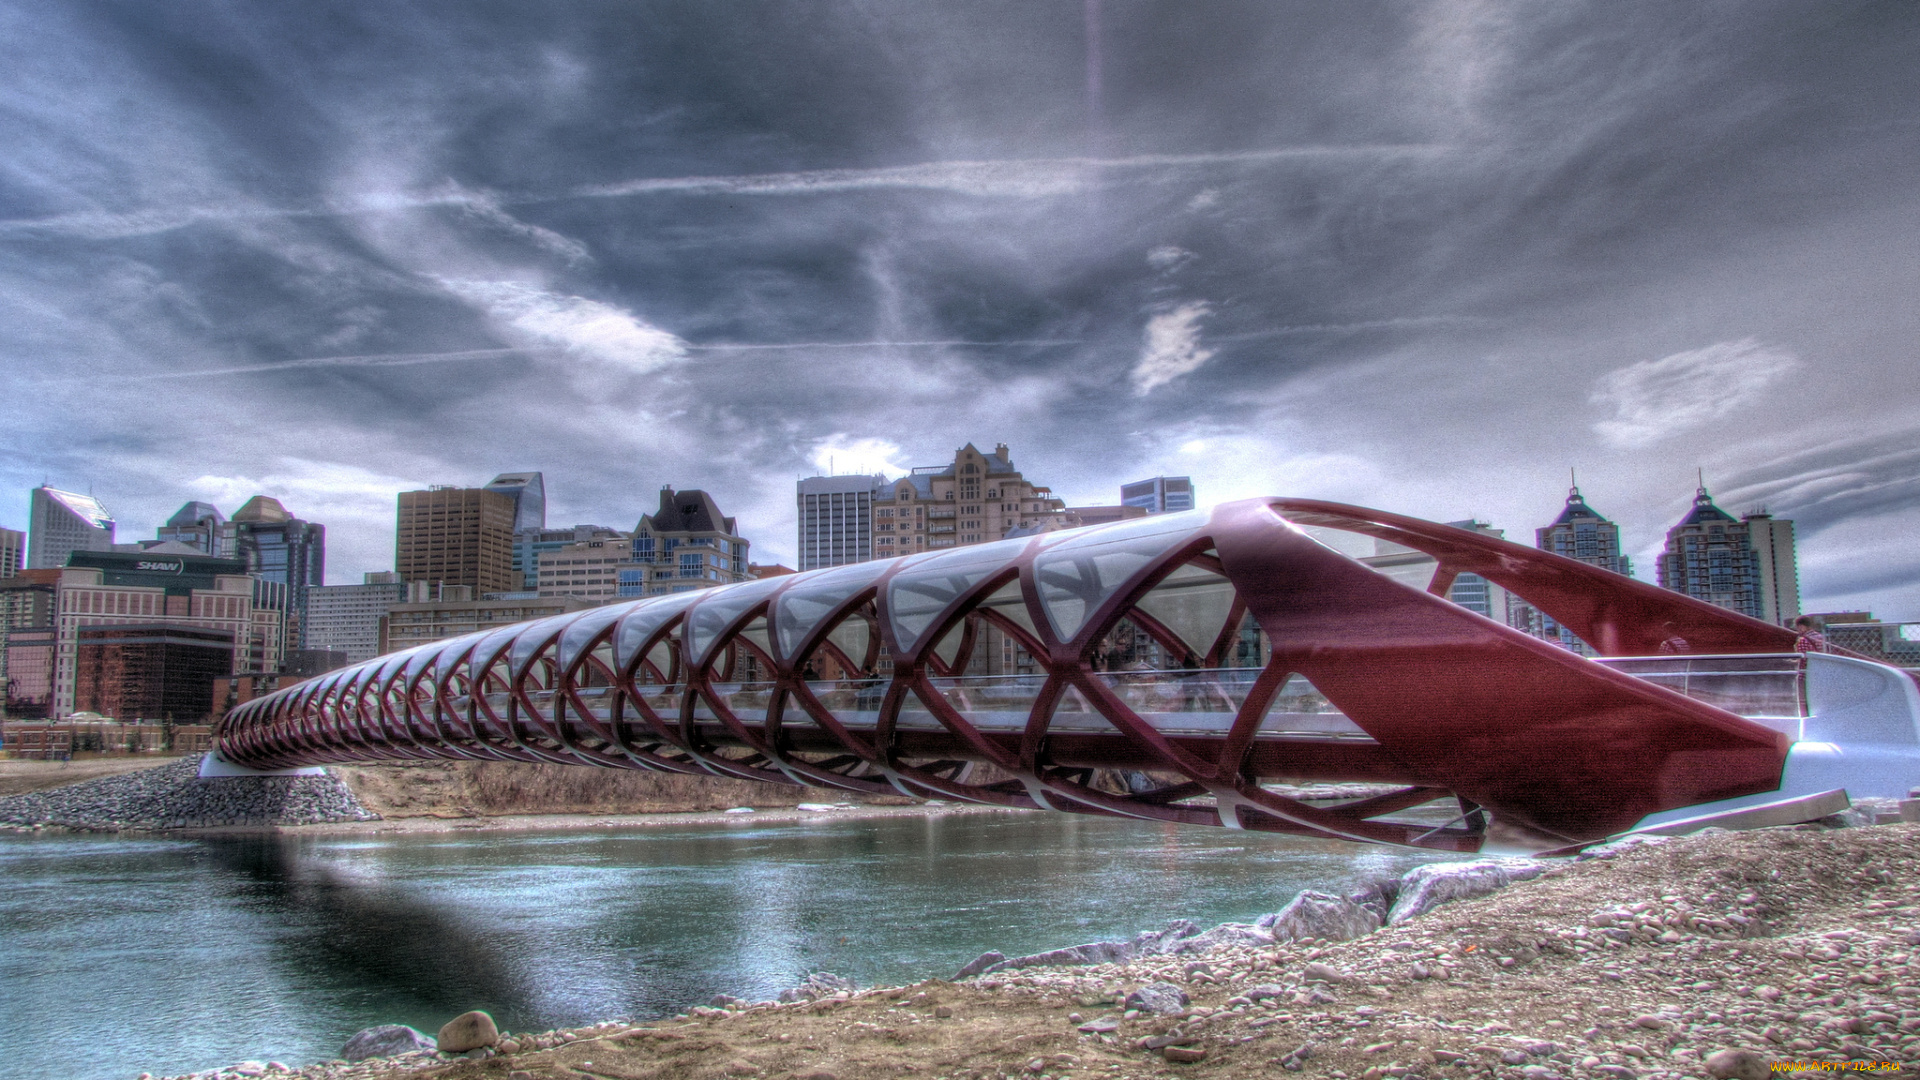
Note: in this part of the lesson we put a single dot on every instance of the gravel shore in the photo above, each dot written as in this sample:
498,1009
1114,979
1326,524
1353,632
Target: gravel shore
1796,946
174,797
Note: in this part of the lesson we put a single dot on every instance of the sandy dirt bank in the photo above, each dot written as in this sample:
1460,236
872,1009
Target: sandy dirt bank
20,777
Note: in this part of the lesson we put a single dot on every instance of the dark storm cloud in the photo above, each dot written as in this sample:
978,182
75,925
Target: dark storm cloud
1424,256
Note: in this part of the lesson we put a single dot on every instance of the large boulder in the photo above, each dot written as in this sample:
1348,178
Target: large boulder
1427,887
980,965
818,985
1159,998
1093,952
468,1031
1159,942
1377,896
1225,934
1180,936
1319,915
387,1040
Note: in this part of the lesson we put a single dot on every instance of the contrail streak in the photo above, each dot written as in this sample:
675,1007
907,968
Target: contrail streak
373,360
1022,178
370,360
1340,328
727,347
1019,178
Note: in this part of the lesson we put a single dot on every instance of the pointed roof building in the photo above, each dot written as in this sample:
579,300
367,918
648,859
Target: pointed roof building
686,544
63,522
1580,532
1711,557
262,510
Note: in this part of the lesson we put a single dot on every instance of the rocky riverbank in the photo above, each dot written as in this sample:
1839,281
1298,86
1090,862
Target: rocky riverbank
174,797
1712,955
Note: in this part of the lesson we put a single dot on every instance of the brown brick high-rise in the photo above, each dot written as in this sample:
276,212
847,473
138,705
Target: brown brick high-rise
158,671
457,536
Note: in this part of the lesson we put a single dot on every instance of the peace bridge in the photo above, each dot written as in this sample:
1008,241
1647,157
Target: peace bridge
1288,662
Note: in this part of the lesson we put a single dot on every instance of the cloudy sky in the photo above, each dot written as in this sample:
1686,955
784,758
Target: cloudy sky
1419,256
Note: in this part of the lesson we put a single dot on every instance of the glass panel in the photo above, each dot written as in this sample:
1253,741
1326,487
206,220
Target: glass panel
662,656
391,665
948,647
756,632
718,609
533,637
800,609
664,700
585,626
1194,603
1301,709
989,702
446,655
1409,567
1007,600
1076,575
491,645
332,680
1074,713
851,636
644,619
748,701
1191,703
855,702
1751,686
924,589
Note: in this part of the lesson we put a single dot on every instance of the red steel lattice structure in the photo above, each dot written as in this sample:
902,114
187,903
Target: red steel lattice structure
1285,661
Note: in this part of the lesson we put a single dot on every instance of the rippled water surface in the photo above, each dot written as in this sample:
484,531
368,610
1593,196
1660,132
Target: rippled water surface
124,955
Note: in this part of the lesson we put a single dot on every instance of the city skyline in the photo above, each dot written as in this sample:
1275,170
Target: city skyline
1574,502
1422,259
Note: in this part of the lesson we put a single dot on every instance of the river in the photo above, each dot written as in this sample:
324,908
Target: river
122,954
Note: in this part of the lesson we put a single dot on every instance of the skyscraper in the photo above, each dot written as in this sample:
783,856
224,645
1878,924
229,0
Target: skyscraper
13,552
456,536
63,522
1160,495
528,490
280,548
1580,533
1742,565
197,525
1779,566
836,519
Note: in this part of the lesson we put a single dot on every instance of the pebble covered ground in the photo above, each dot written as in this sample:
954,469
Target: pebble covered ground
174,797
1796,946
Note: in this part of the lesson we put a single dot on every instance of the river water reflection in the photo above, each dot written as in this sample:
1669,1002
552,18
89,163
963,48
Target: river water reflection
120,955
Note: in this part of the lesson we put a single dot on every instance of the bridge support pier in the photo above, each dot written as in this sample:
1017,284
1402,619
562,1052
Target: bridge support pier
215,767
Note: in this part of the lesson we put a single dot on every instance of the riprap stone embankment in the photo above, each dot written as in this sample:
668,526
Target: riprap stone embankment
174,797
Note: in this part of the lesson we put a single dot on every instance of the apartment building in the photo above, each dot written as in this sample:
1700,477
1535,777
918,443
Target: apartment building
686,544
975,499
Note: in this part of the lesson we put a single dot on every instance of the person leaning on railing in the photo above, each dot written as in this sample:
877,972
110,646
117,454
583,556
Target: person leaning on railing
1808,636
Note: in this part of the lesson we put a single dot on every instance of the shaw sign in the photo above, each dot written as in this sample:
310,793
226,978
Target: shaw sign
158,566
